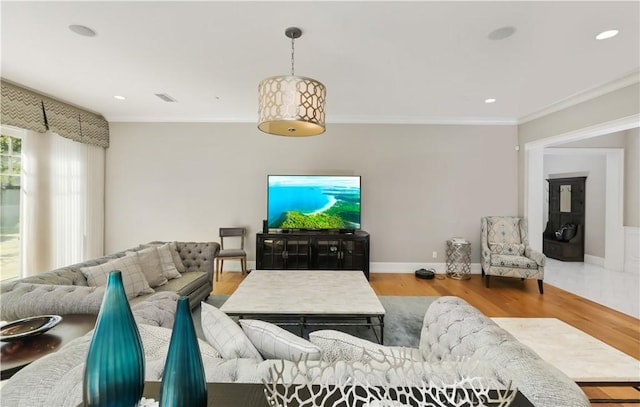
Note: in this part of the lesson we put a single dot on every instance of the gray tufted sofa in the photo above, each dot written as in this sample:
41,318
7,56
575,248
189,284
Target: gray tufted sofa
452,330
65,290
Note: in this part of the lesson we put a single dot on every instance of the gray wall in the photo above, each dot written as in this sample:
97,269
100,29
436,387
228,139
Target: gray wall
629,140
614,105
632,178
613,140
422,184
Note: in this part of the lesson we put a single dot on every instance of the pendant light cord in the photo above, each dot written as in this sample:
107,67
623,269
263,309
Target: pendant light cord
292,54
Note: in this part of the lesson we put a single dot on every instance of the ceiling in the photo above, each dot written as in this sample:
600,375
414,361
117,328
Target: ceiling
382,62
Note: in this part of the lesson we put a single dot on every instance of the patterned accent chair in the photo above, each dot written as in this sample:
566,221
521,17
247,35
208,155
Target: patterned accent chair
506,251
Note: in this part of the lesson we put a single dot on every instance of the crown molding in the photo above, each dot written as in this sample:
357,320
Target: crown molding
592,93
583,96
181,119
465,121
482,121
613,126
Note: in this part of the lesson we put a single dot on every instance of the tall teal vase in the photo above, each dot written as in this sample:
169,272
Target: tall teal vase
183,380
114,371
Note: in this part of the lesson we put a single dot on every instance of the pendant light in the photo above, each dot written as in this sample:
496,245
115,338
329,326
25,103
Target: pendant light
291,105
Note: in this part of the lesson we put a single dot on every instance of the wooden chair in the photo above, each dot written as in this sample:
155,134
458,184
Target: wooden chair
233,253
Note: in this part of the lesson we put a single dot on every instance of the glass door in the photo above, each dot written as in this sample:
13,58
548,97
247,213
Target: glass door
273,254
297,255
328,254
10,193
353,254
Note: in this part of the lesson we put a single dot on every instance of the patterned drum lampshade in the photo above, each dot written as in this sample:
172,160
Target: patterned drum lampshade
291,105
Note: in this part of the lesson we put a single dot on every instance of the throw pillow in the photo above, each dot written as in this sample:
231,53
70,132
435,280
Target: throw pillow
225,335
166,261
134,282
176,257
336,345
149,261
274,342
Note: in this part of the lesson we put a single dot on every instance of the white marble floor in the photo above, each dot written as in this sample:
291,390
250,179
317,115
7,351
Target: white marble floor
617,290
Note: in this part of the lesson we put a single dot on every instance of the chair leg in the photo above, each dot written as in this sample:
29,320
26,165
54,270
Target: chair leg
219,265
486,281
540,287
243,263
482,270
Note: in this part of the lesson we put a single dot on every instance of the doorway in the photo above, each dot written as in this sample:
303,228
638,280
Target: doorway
535,184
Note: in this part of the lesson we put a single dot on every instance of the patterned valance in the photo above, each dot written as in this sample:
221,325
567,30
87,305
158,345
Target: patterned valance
33,111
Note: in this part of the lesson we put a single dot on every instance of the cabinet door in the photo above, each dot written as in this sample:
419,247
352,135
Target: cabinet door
297,254
328,254
552,249
272,256
353,254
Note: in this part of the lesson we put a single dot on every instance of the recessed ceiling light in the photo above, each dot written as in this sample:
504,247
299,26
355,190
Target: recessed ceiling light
490,100
501,33
119,97
82,30
607,34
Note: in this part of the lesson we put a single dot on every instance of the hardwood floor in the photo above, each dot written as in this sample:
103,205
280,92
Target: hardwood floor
509,297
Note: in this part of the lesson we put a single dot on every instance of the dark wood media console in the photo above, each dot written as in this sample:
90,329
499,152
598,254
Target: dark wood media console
311,250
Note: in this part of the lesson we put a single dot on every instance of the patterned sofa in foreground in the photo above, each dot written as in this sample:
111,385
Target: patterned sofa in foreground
452,331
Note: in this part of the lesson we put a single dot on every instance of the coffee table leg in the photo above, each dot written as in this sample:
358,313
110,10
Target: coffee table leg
370,325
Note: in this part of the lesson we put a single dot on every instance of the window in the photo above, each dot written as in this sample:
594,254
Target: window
10,192
52,202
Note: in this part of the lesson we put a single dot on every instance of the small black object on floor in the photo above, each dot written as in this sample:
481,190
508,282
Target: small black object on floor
425,274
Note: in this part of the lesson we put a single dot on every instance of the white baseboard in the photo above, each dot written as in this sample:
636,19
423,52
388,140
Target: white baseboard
595,260
383,267
632,249
374,267
380,267
233,266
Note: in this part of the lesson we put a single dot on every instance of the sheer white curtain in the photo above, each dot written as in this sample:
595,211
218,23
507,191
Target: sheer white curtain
63,202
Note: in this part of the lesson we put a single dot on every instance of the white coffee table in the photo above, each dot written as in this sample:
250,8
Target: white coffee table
308,298
585,359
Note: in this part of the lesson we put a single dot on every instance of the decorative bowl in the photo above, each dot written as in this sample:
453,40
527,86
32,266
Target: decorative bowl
27,327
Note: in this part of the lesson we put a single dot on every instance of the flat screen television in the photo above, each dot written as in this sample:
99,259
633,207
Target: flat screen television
313,202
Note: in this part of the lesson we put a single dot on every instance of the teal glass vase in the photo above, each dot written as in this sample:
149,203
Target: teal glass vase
183,379
114,370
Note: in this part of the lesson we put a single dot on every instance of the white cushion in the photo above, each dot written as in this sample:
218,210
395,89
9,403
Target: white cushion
177,261
274,342
336,345
166,262
224,334
134,282
149,261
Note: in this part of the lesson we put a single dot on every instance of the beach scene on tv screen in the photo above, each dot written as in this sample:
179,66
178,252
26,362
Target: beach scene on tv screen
313,202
